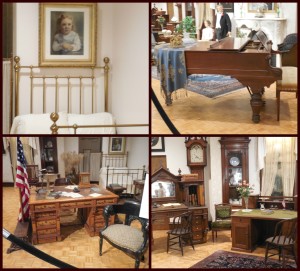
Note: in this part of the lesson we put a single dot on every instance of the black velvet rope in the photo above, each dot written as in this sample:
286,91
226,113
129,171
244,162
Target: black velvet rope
163,114
34,251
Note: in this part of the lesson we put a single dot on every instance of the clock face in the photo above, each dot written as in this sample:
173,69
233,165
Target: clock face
197,154
234,161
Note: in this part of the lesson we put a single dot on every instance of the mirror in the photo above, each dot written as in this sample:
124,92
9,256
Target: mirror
268,7
162,189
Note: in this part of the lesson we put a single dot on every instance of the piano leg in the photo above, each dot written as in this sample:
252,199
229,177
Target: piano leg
256,104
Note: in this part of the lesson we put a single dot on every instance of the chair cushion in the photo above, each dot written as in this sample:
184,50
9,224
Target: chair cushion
224,224
223,212
289,79
124,236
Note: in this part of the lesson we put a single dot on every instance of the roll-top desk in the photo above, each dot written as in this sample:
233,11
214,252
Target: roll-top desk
166,196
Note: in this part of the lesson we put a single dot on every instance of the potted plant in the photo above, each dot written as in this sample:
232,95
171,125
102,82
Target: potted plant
187,26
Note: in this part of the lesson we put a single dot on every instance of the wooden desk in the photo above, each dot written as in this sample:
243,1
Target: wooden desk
253,228
45,213
160,218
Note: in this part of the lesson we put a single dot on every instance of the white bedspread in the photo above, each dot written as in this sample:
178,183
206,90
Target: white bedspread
41,123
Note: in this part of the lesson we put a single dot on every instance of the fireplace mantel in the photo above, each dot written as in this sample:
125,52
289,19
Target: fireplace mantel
275,28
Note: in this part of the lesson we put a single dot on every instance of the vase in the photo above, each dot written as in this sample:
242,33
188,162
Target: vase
246,200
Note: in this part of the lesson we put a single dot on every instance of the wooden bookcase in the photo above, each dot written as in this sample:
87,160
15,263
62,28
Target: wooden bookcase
48,147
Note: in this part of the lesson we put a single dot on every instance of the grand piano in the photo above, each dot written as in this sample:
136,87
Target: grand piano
247,60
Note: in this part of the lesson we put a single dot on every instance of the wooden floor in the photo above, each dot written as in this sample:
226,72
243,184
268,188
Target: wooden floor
77,249
230,114
161,259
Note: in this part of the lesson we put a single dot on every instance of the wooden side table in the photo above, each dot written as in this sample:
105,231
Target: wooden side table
138,189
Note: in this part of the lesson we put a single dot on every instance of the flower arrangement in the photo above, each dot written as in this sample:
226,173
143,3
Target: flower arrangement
71,160
245,190
187,25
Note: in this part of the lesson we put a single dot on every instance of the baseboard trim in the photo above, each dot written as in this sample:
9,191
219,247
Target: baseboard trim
8,184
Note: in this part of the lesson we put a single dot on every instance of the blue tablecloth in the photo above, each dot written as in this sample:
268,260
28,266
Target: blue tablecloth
172,69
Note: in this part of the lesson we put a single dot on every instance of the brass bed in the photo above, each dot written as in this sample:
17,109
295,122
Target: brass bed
76,88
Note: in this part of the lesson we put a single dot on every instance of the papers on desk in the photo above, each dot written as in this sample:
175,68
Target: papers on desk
171,204
95,195
71,195
71,187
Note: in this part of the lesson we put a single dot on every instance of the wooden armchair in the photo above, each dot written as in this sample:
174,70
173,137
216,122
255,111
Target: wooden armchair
129,239
283,241
223,219
33,174
288,51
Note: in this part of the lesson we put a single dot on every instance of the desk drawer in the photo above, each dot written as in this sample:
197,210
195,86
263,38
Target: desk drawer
240,220
46,224
199,212
106,201
82,204
45,215
44,207
46,232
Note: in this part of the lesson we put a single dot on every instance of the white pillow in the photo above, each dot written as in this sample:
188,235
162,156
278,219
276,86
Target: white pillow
38,124
92,119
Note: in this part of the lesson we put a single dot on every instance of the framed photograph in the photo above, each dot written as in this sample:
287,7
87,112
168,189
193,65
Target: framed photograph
157,144
67,34
228,7
269,7
117,145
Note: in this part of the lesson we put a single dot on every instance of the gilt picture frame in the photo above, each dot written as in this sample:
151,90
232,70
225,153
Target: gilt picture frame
253,7
117,145
67,34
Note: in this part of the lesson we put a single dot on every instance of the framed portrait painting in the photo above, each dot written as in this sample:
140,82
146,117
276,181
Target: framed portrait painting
67,34
228,7
157,144
117,145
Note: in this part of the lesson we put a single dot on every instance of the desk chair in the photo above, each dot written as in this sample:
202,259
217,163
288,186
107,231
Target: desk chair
129,239
223,219
283,241
62,182
181,232
288,83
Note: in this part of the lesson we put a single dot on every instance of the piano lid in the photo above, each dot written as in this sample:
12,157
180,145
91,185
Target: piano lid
229,44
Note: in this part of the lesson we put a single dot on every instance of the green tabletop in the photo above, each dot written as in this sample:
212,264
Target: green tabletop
275,214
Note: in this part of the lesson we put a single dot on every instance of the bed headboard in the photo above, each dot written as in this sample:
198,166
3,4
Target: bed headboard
58,79
114,160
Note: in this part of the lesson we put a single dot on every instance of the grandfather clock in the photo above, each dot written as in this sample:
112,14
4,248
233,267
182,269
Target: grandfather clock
196,155
235,167
192,185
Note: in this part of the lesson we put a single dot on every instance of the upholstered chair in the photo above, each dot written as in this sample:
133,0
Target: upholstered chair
131,240
223,219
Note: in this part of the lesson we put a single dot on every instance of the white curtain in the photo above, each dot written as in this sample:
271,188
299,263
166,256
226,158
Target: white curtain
203,12
6,91
279,149
288,165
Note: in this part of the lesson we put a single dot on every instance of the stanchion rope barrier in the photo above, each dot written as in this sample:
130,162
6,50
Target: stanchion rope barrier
34,251
163,114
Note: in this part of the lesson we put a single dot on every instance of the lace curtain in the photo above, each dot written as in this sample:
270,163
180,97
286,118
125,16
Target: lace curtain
279,150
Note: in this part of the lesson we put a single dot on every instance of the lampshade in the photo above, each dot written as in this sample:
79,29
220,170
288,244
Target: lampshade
144,211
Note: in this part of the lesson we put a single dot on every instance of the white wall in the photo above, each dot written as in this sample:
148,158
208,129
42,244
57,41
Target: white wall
7,174
138,150
122,35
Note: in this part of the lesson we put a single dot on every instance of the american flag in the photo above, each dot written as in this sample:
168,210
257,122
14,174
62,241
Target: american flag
22,182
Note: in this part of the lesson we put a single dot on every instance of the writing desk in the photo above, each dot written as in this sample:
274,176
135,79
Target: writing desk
45,213
252,228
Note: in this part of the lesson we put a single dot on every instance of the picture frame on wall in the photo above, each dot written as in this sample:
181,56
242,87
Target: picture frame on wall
67,34
228,7
157,144
117,145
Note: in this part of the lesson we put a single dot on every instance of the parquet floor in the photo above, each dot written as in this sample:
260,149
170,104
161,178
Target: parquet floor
230,114
161,259
77,249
